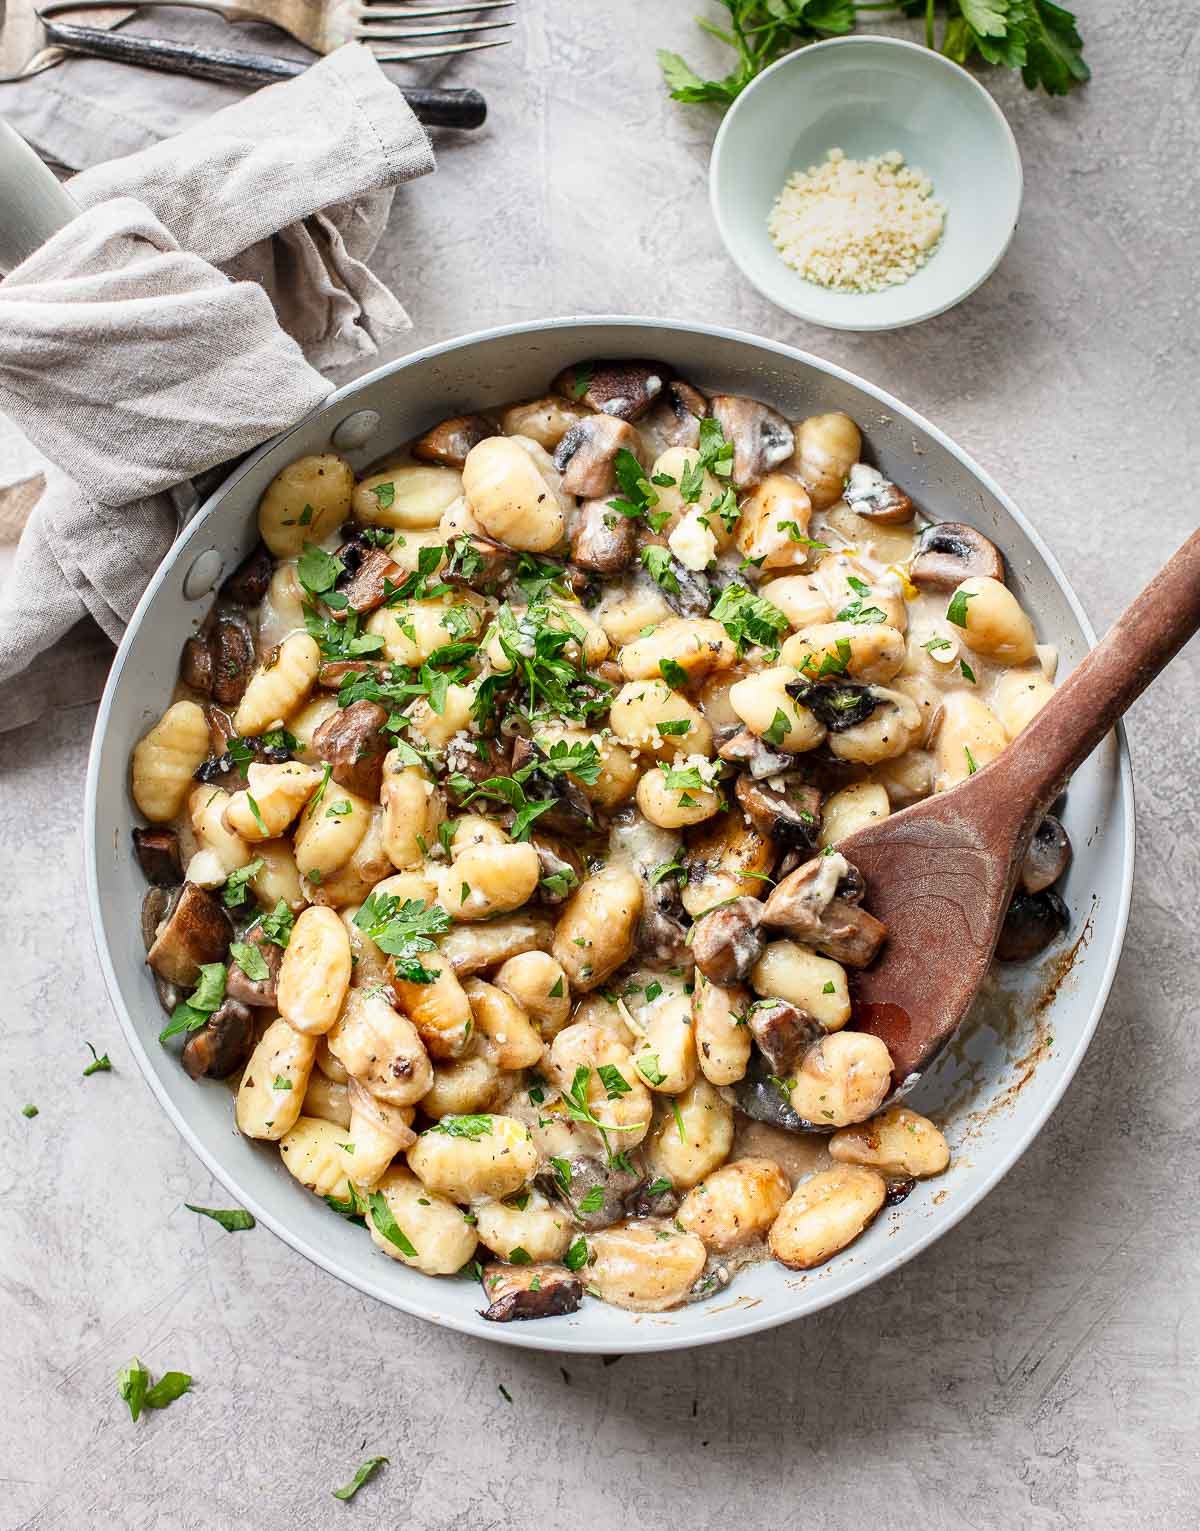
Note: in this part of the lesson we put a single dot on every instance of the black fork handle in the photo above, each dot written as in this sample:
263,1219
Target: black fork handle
434,106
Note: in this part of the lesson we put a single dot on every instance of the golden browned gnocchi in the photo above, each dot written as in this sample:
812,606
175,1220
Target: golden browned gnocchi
475,795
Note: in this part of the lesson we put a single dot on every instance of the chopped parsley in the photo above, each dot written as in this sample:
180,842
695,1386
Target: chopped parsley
673,673
232,1219
638,497
208,995
98,1065
251,961
471,1127
661,567
277,926
956,612
133,1385
404,929
576,1256
971,766
967,672
781,727
387,1226
593,1201
648,1067
233,894
372,1465
748,618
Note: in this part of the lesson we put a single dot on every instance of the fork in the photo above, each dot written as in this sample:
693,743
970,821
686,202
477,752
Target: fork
436,106
328,24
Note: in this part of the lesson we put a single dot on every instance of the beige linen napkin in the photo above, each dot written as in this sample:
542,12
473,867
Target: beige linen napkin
167,329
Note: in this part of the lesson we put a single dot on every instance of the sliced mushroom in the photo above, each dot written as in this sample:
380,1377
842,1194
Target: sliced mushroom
949,552
585,1177
529,1291
727,943
622,388
1046,860
364,582
663,1203
763,1095
157,851
222,1044
1033,921
256,992
783,1032
785,807
463,758
748,749
871,495
572,811
587,453
155,906
334,671
196,664
451,440
603,541
248,583
762,438
687,591
561,868
675,419
233,657
839,704
808,904
352,742
478,562
194,930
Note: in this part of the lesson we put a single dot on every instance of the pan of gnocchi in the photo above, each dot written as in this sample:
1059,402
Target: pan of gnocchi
464,819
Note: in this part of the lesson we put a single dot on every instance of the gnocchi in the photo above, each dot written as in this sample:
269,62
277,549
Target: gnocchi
498,1022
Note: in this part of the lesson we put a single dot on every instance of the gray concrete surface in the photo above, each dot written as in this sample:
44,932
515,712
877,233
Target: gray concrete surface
1038,1368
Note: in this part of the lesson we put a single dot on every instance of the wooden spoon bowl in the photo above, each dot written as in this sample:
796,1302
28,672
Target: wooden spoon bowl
940,874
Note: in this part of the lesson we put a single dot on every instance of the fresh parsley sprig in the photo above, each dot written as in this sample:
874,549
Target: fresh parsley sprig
1037,37
404,929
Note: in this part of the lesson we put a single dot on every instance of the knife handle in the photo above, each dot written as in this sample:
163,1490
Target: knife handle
434,106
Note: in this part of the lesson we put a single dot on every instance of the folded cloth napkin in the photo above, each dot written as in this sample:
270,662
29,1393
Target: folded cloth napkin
166,331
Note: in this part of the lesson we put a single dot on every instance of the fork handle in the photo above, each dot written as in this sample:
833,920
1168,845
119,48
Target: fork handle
433,105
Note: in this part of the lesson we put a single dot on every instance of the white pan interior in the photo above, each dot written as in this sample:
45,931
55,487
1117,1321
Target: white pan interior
991,1091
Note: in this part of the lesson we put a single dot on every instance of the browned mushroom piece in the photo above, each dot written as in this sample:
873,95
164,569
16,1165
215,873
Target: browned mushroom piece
587,454
654,1198
194,930
561,868
364,584
762,438
1048,856
249,582
259,993
784,807
220,729
949,552
157,852
869,494
783,1032
727,942
626,389
231,643
675,419
222,1044
763,1095
595,1192
334,671
810,906
463,758
572,811
685,590
451,440
529,1291
760,759
603,541
352,742
1032,922
476,561
196,664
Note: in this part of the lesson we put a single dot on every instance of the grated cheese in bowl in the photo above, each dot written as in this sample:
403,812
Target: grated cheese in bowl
857,225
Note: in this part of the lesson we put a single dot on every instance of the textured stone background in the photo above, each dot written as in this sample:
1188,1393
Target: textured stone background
1038,1368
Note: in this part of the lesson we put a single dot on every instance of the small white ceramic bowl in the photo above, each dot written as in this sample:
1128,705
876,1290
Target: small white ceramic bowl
867,95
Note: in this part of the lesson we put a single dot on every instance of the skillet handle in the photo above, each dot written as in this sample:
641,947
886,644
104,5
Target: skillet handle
435,107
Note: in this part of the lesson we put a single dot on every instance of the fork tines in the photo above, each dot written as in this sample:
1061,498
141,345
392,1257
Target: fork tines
376,24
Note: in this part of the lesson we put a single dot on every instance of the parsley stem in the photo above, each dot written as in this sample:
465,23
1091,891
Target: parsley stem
929,23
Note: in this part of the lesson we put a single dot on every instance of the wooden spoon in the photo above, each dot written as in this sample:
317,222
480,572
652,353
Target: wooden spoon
940,874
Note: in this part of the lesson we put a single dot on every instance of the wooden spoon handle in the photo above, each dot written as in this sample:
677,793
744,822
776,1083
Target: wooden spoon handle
1140,644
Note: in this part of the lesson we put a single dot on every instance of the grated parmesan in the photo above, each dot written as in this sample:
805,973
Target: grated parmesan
857,225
